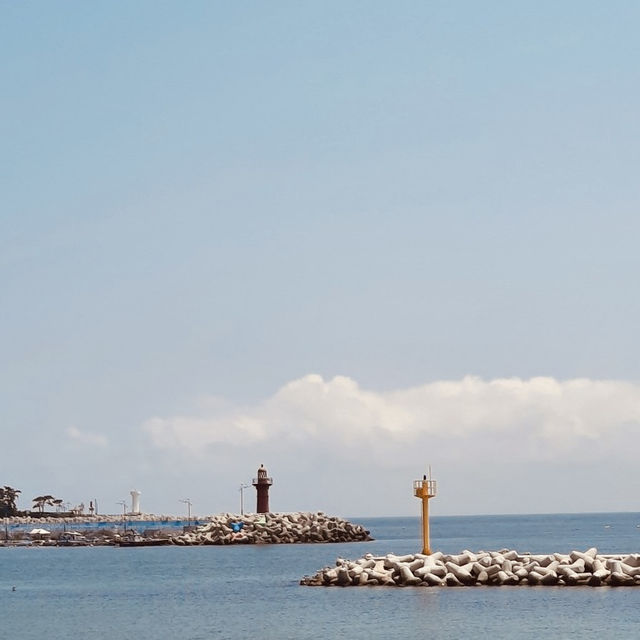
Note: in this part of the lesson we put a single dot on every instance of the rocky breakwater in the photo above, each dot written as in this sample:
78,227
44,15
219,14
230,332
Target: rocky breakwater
495,568
273,528
87,519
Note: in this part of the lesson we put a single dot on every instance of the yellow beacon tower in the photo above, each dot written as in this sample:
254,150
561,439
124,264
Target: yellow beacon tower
425,489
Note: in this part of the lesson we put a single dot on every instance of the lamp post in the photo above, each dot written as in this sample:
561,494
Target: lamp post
243,486
188,503
67,507
124,515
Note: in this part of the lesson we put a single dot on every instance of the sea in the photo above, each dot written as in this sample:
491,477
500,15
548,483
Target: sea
245,592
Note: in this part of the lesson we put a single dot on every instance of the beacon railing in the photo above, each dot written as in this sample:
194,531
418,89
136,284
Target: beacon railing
420,486
262,480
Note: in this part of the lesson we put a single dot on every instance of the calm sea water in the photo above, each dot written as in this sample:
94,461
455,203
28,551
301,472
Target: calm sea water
200,593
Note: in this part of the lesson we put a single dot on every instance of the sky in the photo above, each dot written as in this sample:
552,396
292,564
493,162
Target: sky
345,240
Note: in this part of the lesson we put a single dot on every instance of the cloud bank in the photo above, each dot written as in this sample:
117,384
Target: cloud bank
540,417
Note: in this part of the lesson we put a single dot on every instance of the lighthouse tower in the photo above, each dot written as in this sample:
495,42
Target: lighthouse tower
135,501
425,489
262,484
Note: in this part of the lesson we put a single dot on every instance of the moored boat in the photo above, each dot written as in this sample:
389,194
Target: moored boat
133,539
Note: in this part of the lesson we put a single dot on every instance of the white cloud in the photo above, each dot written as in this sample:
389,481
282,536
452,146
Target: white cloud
496,446
549,416
86,438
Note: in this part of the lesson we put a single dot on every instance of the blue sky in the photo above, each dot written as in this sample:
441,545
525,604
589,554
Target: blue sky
212,216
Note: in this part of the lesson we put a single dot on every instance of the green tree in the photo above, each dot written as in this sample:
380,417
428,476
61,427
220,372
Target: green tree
39,502
8,500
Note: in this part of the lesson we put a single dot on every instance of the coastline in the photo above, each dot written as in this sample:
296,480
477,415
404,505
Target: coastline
151,529
97,519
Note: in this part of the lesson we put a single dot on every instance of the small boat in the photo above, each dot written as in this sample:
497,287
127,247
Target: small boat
72,539
133,539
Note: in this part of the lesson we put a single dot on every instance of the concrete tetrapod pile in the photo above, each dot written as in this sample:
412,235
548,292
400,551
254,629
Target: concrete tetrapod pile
505,567
274,528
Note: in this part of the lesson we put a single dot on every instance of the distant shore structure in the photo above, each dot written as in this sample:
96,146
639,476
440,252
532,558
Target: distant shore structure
262,484
135,501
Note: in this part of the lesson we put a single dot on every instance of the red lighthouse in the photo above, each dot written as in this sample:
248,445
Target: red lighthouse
262,484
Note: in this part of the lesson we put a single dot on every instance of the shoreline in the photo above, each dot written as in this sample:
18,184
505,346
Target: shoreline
221,529
96,519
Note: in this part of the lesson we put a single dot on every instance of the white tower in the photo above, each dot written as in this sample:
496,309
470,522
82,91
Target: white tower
135,501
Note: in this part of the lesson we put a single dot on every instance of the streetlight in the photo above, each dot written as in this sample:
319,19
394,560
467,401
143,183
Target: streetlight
124,515
243,486
188,503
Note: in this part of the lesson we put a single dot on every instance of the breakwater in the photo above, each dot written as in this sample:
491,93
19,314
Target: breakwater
274,528
99,520
97,529
490,568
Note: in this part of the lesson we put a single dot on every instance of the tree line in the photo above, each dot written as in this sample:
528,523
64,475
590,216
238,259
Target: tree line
9,502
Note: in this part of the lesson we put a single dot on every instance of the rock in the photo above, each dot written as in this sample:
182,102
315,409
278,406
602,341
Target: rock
521,572
273,528
619,579
343,577
452,581
329,576
483,577
407,578
549,578
534,578
504,567
632,560
463,575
